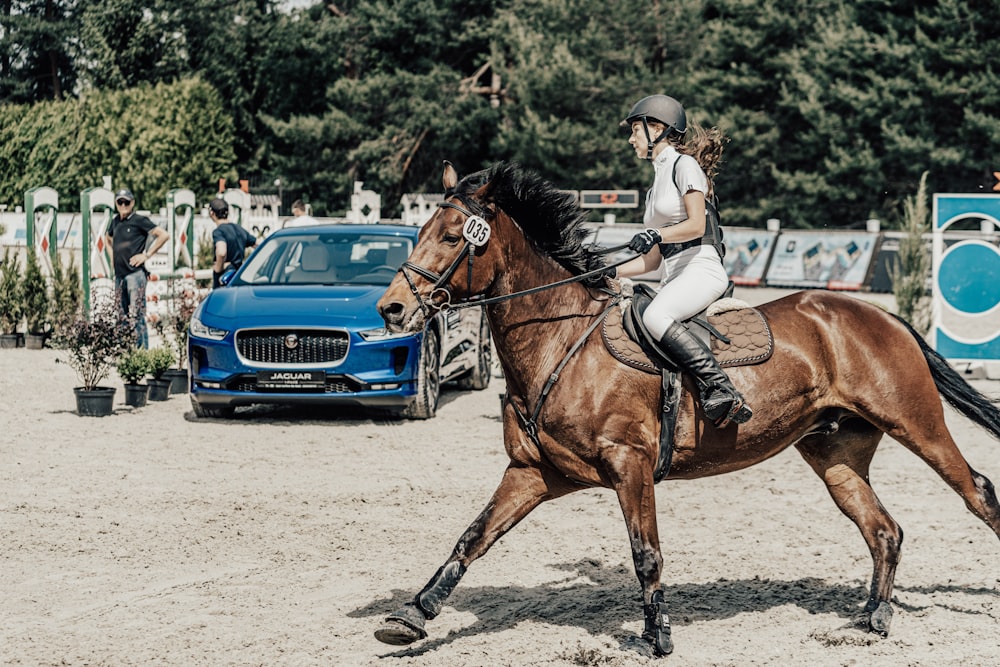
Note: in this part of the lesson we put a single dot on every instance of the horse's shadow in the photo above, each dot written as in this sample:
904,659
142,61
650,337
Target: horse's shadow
601,599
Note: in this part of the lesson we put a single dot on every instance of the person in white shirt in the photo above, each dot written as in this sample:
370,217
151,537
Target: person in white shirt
300,215
682,236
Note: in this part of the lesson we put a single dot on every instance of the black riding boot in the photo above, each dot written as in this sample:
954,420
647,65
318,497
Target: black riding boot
719,399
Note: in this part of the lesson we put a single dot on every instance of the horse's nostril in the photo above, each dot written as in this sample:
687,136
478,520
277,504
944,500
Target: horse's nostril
392,312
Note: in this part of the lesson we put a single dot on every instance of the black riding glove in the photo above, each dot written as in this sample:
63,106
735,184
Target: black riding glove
644,241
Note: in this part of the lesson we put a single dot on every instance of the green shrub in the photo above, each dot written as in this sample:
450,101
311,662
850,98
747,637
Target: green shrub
133,365
160,359
912,267
11,295
67,294
35,290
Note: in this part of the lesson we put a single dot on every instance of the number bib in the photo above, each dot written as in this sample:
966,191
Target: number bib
476,231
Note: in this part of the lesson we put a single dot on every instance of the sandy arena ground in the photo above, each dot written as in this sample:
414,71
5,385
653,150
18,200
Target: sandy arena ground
285,536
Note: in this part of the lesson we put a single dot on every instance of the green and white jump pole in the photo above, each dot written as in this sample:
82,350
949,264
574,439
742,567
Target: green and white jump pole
97,206
43,232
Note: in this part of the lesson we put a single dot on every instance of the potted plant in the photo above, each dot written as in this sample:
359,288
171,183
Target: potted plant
132,367
11,299
67,294
37,308
93,346
159,359
173,326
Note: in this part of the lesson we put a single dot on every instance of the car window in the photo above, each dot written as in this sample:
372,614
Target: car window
379,258
262,265
327,259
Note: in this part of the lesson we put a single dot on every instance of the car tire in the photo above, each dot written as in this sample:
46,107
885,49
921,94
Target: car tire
425,403
206,412
479,377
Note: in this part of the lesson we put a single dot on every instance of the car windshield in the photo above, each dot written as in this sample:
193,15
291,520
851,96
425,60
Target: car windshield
326,258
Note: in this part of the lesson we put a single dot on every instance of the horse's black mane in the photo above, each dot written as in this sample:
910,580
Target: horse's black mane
549,217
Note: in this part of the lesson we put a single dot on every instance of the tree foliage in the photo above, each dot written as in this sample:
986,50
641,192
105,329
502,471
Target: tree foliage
151,138
833,110
36,61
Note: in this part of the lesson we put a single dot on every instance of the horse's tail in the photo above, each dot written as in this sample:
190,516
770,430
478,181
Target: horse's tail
953,387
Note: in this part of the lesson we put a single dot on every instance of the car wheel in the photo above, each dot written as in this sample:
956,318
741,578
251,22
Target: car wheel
479,377
207,412
425,403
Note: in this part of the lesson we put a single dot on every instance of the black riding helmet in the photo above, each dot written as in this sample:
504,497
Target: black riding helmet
661,109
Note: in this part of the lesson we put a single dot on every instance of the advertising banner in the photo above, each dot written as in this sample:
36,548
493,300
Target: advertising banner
831,260
748,252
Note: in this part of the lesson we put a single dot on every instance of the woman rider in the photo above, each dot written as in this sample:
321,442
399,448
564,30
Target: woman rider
687,241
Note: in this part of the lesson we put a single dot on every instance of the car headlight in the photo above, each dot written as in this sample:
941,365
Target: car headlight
382,334
200,330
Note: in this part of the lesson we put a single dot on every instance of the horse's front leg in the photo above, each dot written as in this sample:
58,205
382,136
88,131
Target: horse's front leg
520,491
634,486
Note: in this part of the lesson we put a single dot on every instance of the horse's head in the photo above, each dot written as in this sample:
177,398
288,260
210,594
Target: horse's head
453,260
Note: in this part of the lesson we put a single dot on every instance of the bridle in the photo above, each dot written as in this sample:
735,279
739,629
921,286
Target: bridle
476,232
472,240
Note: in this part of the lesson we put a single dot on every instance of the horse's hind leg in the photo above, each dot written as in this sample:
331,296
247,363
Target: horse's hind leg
841,460
940,452
520,491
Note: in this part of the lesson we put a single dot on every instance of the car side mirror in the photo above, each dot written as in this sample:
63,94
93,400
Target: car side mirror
226,276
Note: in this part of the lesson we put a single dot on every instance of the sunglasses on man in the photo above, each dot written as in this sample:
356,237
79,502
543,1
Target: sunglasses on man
123,202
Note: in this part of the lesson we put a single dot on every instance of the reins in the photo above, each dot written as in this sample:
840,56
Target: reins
467,250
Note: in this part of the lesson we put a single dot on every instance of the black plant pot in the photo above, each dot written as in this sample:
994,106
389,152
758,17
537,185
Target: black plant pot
34,341
178,380
96,402
135,394
159,390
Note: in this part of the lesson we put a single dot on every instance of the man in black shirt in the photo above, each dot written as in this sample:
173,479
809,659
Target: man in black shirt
128,235
230,240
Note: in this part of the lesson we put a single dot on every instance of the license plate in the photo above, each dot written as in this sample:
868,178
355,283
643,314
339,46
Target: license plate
291,379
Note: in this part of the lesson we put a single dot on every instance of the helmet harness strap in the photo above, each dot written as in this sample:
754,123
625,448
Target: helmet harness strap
650,142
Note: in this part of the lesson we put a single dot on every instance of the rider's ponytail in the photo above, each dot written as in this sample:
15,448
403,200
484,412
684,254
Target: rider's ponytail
706,147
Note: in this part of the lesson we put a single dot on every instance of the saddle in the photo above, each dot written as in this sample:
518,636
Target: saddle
737,334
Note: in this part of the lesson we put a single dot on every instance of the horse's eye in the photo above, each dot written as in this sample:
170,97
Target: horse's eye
451,239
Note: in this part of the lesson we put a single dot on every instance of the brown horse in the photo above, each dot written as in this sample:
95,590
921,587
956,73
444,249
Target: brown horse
842,374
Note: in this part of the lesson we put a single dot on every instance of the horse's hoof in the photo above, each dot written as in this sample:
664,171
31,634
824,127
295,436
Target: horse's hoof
657,630
880,619
403,627
661,642
398,633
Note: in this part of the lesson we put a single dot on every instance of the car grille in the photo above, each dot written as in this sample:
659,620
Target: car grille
268,346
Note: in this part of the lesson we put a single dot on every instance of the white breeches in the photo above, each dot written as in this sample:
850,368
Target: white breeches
692,279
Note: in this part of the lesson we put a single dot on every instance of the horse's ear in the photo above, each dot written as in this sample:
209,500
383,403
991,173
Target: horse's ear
450,177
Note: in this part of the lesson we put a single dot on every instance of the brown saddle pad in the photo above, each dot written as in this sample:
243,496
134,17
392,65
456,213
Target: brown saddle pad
750,339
